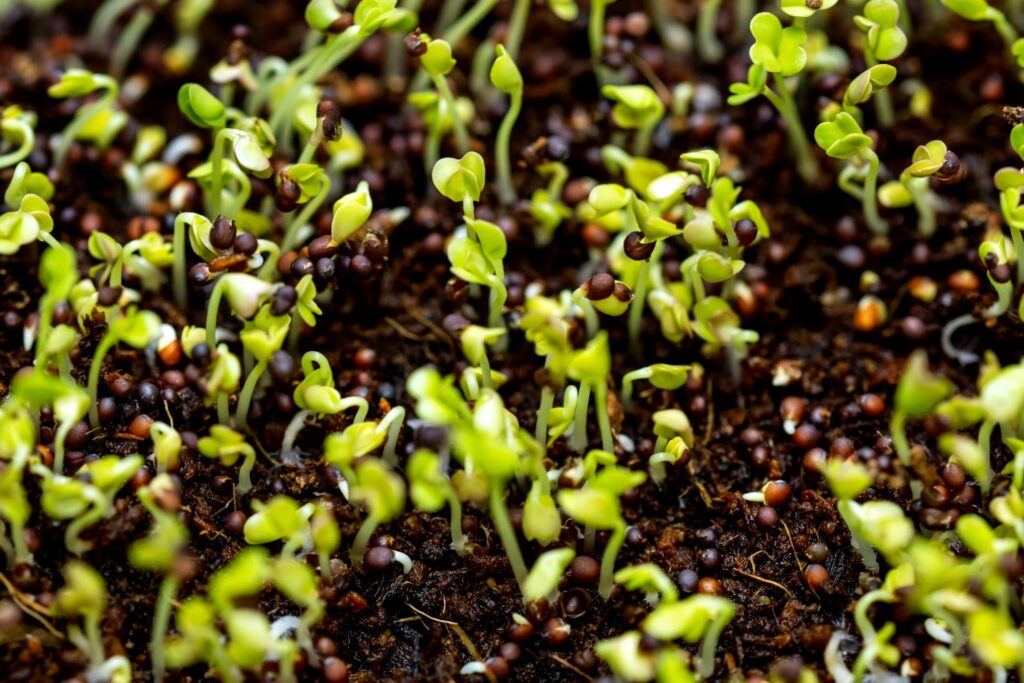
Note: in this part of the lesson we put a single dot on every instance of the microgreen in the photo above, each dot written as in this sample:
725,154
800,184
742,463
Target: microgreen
316,395
885,42
17,127
542,581
980,10
84,599
842,138
136,329
382,493
919,392
505,77
696,618
430,490
228,446
636,107
98,119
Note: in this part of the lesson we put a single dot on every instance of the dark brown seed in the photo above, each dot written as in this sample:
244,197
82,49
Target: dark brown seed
235,521
954,476
750,437
284,299
1001,273
746,231
710,558
510,651
108,409
498,667
585,570
935,496
599,286
814,459
301,267
140,426
108,296
817,552
415,46
635,248
245,243
120,386
806,436
222,235
335,670
288,194
555,632
767,517
379,558
362,267
520,632
697,195
199,274
872,405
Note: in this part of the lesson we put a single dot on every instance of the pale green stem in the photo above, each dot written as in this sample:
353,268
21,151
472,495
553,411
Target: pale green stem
925,207
547,401
485,372
898,432
985,446
578,442
497,302
506,190
180,289
882,98
245,472
461,136
311,207
708,45
216,170
458,537
517,26
460,29
783,100
596,28
636,310
499,515
28,141
109,85
870,201
245,398
707,647
161,619
223,410
1004,290
212,308
393,423
611,552
102,348
58,444
103,20
589,314
601,408
362,539
129,40
1005,29
1018,245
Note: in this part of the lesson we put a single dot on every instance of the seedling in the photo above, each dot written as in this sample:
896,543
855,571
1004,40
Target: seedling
314,185
698,618
980,10
382,493
546,207
603,293
84,599
885,42
652,580
478,260
597,505
590,367
780,52
636,107
316,395
280,519
326,536
136,329
931,160
542,581
506,77
98,120
438,62
17,127
245,294
29,222
261,337
842,138
68,401
474,341
595,31
661,375
58,270
228,446
430,490
918,394
17,440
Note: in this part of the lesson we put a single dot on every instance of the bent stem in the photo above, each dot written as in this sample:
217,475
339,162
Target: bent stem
643,281
362,539
392,422
506,191
499,515
28,141
611,551
212,308
217,170
292,235
708,46
102,349
180,291
579,421
83,116
1018,245
784,103
129,40
595,32
869,202
517,26
898,431
245,398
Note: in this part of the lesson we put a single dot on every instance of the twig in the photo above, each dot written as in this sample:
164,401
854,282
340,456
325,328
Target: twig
30,607
466,642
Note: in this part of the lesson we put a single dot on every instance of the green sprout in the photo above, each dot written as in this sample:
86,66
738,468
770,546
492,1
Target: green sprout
316,395
930,160
196,224
590,367
1010,183
506,77
474,341
842,138
546,207
69,403
228,446
885,42
636,107
314,186
17,441
326,537
650,579
245,295
430,490
29,222
58,271
136,329
780,52
17,127
85,500
280,519
876,645
83,598
709,47
660,375
675,438
918,394
351,212
262,337
438,62
382,493
158,552
547,571
98,120
597,505
698,618
595,30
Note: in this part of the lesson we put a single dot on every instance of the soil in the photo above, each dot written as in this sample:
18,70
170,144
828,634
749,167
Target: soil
424,625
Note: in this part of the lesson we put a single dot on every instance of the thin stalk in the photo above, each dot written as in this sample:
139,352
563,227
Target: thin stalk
180,290
161,619
707,647
595,26
458,537
783,100
611,551
882,99
869,204
102,348
578,441
1018,244
28,141
129,40
103,21
245,398
395,59
547,401
497,302
109,85
216,170
223,410
636,310
450,11
517,26
459,30
946,341
985,446
1004,290
485,372
898,431
362,539
589,314
393,423
461,136
601,408
499,515
506,190
708,45
58,444
925,207
642,140
212,308
1005,29
311,207
292,432
245,472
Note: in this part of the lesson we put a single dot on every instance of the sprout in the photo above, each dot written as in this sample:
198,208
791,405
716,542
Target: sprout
316,395
660,375
478,258
17,441
280,519
382,493
709,47
227,445
885,42
261,337
298,583
506,77
542,581
58,270
546,207
595,28
326,536
474,341
158,552
627,659
460,180
917,395
430,490
696,618
136,329
980,10
313,186
245,294
100,114
842,138
69,402
636,107
780,52
650,579
879,523
597,505
17,127
84,599
932,159
590,367
603,293
351,212
85,503
31,221
438,62
197,224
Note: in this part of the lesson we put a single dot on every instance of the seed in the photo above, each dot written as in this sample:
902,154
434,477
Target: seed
379,558
288,193
750,437
281,366
852,257
78,436
1001,273
599,286
709,558
816,575
301,267
697,195
964,281
335,670
954,476
817,552
119,386
913,328
174,379
222,235
687,580
556,631
520,631
199,274
141,477
245,243
322,246
595,237
201,354
584,570
235,522
760,457
108,296
170,353
140,425
415,46
767,517
746,231
842,447
635,248
870,314
706,536
510,651
108,409
284,299
777,492
324,269
793,408
362,267
806,436
498,667
709,586
935,496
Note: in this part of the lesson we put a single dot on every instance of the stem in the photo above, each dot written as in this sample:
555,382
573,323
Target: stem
497,302
129,40
58,444
1018,244
294,226
461,136
925,208
517,26
216,169
432,148
707,647
708,45
292,432
1006,30
393,422
458,537
485,372
596,29
948,330
883,101
83,116
898,431
28,141
593,323
1002,304
103,20
245,398
161,618
985,445
362,539
636,310
579,421
223,411
499,515
506,190
212,308
642,141
547,400
870,200
245,472
807,166
611,551
180,290
601,408
94,377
